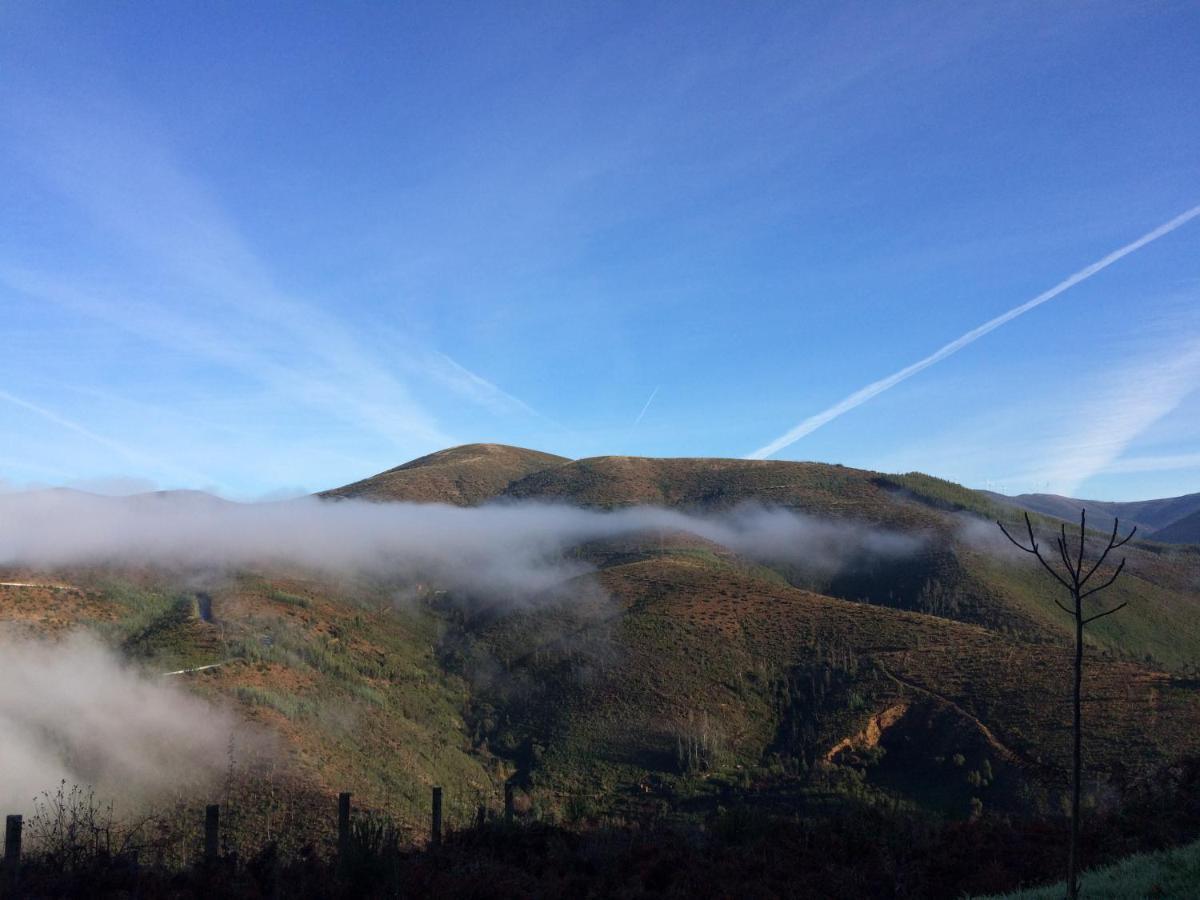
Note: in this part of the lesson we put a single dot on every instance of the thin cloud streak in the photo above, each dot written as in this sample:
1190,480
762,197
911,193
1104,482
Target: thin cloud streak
454,375
128,452
131,186
1166,463
812,423
653,394
1114,421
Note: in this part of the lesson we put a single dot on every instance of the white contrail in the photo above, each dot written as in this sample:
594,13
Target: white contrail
653,394
859,397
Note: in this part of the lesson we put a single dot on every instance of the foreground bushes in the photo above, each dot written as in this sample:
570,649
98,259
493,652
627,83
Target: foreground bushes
857,851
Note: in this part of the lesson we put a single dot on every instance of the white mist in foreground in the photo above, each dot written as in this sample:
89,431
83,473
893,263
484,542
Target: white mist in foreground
71,710
502,550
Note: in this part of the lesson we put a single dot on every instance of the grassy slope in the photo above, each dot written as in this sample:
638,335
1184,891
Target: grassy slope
688,644
351,684
702,642
1168,874
967,562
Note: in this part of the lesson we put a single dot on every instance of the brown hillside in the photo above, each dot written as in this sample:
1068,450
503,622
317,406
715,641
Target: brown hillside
612,481
464,476
693,645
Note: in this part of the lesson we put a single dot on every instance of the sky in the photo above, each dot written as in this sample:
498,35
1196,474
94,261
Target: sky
262,249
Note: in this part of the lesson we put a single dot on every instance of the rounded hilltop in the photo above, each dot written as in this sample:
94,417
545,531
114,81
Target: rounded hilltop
464,476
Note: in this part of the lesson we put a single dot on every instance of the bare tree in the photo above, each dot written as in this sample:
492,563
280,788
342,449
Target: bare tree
1075,580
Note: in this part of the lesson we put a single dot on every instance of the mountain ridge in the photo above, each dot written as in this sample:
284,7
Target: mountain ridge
668,669
470,474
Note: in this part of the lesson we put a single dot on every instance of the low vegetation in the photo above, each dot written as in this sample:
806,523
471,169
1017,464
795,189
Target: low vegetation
679,704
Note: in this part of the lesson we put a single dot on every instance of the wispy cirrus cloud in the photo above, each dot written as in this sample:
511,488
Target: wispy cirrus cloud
203,290
1170,462
1125,405
128,453
452,374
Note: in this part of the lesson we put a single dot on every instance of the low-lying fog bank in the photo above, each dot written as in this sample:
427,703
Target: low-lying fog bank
506,549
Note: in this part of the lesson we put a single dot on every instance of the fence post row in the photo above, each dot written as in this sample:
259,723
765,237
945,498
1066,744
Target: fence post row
212,832
12,851
343,823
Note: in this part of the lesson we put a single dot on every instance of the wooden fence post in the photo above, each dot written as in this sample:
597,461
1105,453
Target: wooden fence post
343,824
435,835
12,850
212,832
508,803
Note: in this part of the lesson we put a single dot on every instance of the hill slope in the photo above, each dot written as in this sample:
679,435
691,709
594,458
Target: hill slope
1183,531
678,673
465,476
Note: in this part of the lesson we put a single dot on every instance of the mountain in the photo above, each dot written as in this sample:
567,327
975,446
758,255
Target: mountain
463,476
673,671
1152,517
1181,531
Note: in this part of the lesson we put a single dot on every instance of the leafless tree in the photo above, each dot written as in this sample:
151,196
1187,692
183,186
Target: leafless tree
1075,579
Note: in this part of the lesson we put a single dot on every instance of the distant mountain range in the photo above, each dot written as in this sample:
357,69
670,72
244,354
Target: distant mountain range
1174,520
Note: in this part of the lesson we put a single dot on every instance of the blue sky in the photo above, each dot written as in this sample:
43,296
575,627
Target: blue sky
271,247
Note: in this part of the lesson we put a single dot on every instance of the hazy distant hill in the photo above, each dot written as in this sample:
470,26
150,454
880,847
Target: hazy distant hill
1182,531
1152,517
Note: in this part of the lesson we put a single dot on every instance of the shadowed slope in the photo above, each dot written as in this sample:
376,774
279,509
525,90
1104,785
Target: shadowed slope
1183,531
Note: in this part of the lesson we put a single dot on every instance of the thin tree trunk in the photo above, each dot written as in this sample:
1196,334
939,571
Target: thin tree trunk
1074,582
1077,757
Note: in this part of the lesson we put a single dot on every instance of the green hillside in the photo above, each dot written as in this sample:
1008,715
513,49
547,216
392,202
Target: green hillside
678,676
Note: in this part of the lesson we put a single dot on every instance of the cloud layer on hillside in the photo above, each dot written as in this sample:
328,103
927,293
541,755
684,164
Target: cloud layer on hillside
510,550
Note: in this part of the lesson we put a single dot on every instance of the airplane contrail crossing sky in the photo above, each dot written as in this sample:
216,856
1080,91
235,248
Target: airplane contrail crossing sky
861,396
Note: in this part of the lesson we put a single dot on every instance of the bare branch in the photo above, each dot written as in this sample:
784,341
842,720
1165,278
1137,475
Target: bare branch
1034,549
1108,612
1125,540
1062,552
1082,534
1016,543
1113,544
1058,603
1071,567
1097,590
